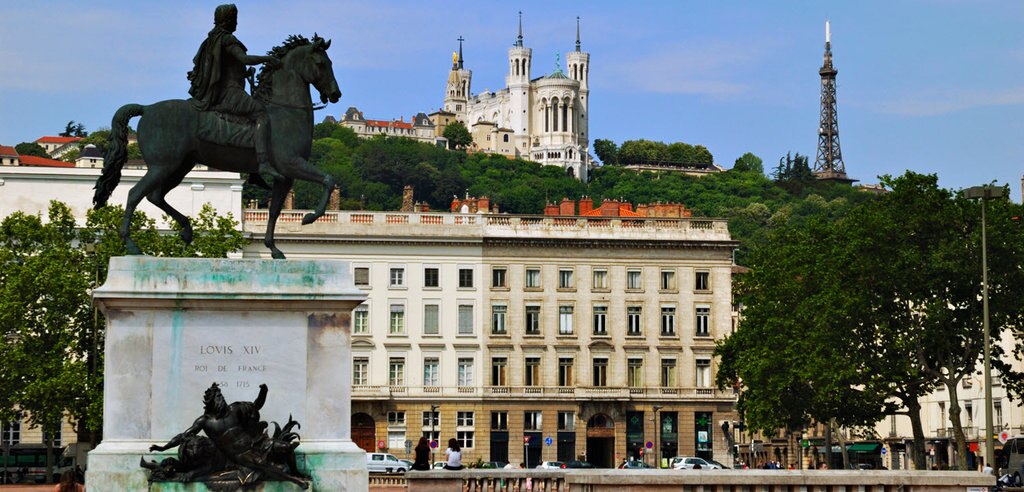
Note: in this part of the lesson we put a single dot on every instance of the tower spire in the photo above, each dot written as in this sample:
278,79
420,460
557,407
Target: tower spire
577,33
828,165
519,40
460,51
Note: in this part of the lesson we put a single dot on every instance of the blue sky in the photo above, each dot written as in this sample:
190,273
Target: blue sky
936,86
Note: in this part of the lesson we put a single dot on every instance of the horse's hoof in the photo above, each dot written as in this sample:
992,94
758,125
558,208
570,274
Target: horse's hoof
187,236
133,250
277,254
309,218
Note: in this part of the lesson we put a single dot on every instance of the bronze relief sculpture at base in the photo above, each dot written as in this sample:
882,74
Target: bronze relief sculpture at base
236,452
224,128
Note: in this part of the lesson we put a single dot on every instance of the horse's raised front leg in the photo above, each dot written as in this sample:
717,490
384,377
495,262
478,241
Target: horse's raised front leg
300,168
281,188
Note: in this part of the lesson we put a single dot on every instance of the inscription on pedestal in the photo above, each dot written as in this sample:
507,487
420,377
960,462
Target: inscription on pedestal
203,349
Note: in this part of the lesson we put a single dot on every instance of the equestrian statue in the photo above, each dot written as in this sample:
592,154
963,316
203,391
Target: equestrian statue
223,127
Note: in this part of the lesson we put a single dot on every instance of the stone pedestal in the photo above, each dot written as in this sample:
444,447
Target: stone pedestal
174,326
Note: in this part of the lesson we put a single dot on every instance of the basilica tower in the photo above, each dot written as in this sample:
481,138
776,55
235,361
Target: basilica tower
458,87
518,83
578,65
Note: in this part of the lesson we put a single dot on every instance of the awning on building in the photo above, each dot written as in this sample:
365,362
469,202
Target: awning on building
864,447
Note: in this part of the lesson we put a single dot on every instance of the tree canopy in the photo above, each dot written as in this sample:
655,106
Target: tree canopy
458,135
31,148
886,295
49,364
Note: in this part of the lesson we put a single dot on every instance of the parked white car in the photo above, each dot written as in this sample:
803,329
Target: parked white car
385,463
551,465
688,462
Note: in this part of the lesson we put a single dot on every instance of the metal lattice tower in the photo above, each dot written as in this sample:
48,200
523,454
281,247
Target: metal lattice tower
828,165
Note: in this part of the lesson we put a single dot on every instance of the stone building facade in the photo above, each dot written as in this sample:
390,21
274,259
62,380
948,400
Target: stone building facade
531,338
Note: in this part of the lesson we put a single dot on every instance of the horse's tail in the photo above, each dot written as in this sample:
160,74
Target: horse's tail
117,153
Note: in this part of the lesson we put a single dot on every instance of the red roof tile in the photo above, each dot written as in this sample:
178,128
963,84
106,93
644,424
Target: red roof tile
31,160
58,140
7,151
392,124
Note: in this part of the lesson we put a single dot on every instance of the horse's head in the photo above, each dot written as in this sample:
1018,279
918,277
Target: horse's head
316,69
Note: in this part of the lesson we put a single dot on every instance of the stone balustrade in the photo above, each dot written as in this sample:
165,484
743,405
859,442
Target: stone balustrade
606,480
548,392
495,226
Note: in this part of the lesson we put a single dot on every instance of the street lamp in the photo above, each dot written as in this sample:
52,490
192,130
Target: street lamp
986,193
657,430
433,410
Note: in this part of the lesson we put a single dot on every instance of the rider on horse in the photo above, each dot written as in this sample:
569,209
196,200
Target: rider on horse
218,83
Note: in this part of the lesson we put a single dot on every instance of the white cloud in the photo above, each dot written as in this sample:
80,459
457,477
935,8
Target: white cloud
937,102
707,68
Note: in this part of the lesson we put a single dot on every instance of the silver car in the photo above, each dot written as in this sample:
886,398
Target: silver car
385,463
688,462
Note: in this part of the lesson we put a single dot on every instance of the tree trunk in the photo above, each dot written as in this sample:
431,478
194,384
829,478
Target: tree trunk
48,436
828,443
954,418
917,429
842,447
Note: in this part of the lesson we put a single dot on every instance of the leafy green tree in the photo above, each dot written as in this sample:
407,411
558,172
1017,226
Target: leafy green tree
31,148
346,136
606,151
50,363
458,135
44,312
748,163
323,129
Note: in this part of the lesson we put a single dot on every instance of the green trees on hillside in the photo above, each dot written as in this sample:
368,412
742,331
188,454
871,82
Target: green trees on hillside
651,152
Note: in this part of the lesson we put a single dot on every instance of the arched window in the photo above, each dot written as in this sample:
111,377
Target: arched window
565,116
506,137
554,115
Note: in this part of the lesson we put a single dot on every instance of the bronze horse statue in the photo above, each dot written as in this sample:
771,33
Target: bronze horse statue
174,137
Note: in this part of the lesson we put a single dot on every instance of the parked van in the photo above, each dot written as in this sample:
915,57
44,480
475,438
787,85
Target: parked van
1013,454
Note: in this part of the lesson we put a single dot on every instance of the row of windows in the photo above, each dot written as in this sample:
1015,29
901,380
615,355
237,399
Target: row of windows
531,320
532,278
532,420
11,434
397,319
465,432
532,371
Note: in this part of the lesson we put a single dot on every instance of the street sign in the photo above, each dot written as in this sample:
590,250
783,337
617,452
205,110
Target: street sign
526,439
548,441
381,444
883,451
433,444
649,445
1004,436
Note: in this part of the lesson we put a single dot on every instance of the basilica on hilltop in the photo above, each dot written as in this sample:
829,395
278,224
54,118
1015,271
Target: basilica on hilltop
542,119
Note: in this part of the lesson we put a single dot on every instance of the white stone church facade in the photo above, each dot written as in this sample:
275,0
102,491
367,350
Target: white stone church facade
543,119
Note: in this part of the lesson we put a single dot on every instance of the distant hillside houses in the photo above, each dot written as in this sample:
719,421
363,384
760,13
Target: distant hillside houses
58,146
419,128
89,157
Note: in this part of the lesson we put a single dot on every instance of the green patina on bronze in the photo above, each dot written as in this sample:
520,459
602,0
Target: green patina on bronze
225,128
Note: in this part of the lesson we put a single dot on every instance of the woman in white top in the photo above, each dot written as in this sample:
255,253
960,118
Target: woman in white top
454,453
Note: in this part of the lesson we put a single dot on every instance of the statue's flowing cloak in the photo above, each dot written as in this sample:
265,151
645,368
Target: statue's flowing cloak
206,89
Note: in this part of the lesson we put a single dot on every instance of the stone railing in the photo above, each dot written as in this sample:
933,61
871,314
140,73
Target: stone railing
501,226
554,392
607,480
379,480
